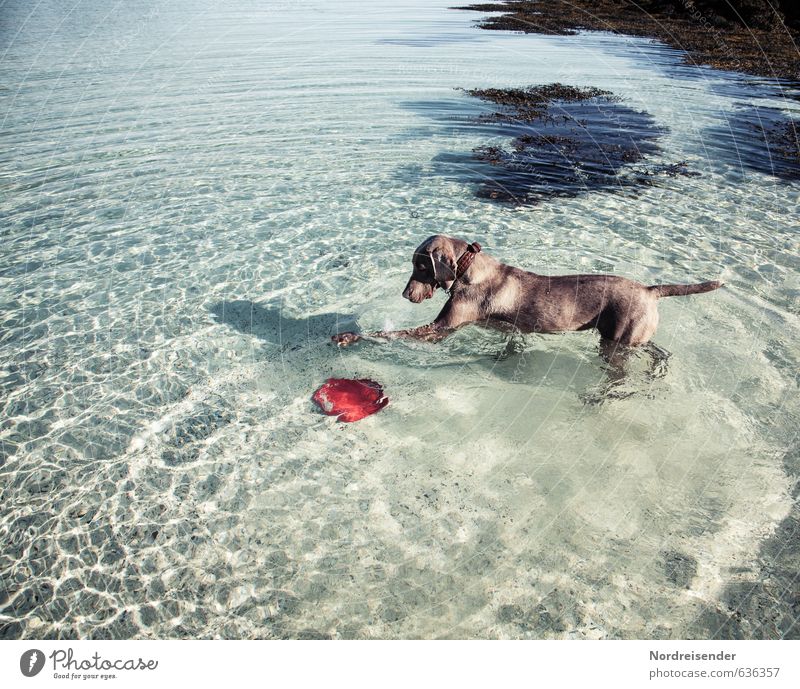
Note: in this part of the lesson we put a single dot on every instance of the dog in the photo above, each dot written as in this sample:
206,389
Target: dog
492,294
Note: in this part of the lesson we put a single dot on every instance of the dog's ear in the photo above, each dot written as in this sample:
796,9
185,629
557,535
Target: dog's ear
444,266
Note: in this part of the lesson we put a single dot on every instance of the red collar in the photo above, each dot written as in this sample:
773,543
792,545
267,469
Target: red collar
465,261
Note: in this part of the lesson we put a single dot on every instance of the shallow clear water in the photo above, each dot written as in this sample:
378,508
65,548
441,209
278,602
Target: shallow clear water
195,197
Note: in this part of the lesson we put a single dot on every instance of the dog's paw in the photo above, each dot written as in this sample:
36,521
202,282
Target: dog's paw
345,339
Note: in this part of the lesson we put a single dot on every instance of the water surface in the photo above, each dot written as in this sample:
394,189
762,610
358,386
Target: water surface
195,196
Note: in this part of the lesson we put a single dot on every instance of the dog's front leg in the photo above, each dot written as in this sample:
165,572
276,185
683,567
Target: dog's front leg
429,333
451,317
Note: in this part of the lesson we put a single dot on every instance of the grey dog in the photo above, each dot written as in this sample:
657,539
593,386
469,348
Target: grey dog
492,294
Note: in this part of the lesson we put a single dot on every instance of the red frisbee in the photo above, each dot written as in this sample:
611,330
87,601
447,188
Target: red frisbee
350,400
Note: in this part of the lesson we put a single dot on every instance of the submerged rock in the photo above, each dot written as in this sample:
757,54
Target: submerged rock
680,569
760,138
565,141
783,142
531,103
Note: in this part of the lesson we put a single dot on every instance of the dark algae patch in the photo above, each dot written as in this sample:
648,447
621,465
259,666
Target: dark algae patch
531,103
753,36
758,37
785,137
679,569
564,141
783,142
760,138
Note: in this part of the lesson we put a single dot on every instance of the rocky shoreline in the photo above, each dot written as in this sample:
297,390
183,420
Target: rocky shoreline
756,37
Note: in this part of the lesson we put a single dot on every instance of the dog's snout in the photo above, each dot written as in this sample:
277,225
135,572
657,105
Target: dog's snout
417,292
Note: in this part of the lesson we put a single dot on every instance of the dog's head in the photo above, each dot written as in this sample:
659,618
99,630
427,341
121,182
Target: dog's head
434,265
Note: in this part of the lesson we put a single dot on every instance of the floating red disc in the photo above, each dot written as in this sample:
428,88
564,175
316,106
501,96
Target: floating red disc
350,400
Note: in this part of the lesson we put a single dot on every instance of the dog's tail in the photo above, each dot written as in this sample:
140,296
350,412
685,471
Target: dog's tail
683,290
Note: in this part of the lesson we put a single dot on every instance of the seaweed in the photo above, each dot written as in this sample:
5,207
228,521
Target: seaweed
566,140
752,36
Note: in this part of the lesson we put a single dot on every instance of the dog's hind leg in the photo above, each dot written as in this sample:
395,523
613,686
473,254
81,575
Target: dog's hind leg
616,357
659,360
